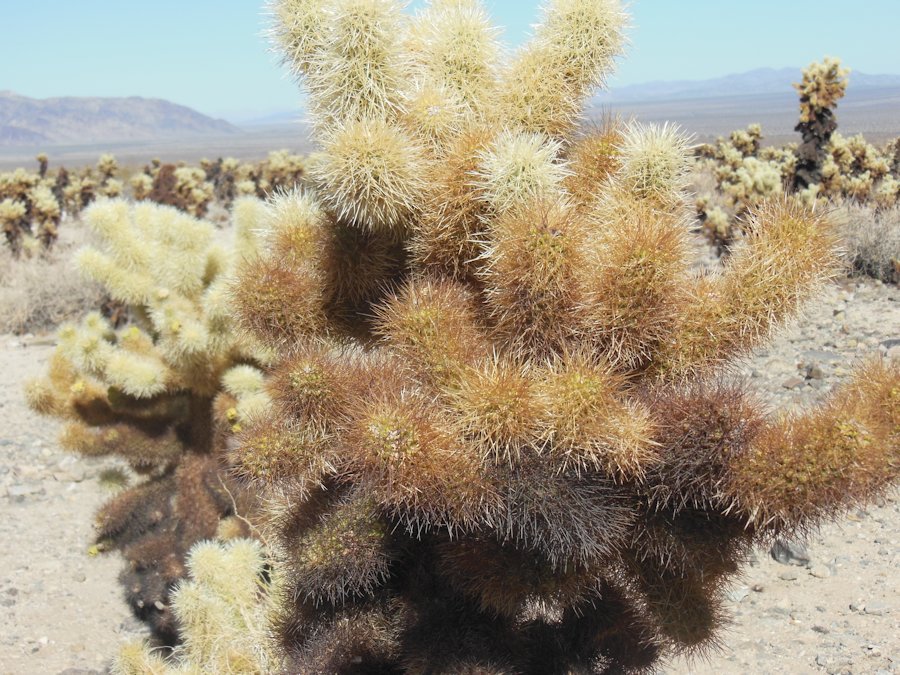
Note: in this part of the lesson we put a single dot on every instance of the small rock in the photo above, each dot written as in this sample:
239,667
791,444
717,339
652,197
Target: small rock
820,571
71,475
833,665
873,650
19,491
876,608
793,383
758,588
820,629
814,372
790,553
788,575
79,577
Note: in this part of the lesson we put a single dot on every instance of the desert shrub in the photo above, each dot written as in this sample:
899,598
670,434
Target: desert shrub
163,393
872,240
502,437
41,292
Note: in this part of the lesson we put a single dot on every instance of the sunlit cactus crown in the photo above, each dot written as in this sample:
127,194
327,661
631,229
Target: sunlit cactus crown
824,83
500,439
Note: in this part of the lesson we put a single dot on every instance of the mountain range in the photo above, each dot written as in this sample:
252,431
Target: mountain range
82,120
761,81
75,129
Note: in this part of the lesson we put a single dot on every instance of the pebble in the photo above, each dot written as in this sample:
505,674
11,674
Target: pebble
18,492
788,575
70,475
876,608
833,665
814,372
793,383
789,552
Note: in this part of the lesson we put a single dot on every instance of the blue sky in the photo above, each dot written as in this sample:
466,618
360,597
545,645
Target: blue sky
210,55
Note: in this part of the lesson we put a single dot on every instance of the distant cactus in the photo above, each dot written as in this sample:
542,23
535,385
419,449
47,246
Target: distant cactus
230,178
746,175
823,85
30,211
185,188
163,392
43,164
501,438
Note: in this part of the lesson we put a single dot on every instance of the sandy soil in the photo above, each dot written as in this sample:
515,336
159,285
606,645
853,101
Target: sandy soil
61,610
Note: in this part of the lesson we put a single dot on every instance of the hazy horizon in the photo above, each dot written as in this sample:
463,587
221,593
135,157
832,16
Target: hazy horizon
219,63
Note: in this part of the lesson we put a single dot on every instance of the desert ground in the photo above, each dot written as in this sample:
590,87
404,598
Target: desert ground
61,610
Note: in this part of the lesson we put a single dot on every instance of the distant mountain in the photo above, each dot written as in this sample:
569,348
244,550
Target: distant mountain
754,82
281,117
711,108
74,120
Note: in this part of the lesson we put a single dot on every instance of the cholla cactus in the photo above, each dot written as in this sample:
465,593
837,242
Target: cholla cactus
47,214
80,191
222,615
14,223
747,141
163,393
500,439
857,170
141,186
282,170
823,85
107,168
746,175
29,210
43,164
230,178
183,187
